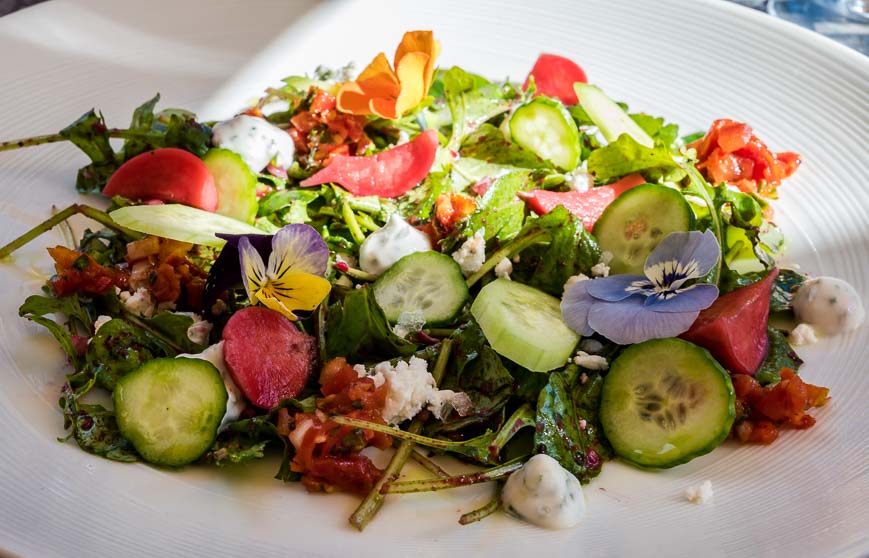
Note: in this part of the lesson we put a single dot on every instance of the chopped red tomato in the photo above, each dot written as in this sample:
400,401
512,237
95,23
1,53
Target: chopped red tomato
588,205
80,273
554,76
387,174
327,454
452,207
322,133
763,411
730,152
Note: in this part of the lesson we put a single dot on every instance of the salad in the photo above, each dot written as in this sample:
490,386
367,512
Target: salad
529,277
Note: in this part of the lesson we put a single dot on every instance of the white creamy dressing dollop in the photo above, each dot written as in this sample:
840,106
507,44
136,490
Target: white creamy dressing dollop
235,401
256,140
830,305
544,493
387,245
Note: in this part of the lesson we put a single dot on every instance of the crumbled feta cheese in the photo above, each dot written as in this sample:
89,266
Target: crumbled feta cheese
100,322
199,331
140,303
600,270
579,180
504,269
403,137
575,279
412,387
409,321
803,334
517,258
700,494
235,401
591,362
472,254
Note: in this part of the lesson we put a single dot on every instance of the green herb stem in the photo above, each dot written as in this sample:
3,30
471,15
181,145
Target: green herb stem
486,510
359,274
369,507
352,223
428,464
93,213
439,331
30,142
702,190
509,250
430,485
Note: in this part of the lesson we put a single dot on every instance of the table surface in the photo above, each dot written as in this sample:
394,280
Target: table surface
812,14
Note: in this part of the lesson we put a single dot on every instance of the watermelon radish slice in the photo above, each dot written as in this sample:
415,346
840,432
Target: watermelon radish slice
554,76
267,356
588,205
733,329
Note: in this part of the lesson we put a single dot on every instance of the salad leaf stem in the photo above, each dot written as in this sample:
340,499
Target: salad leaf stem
440,331
702,189
359,274
352,223
430,485
486,510
121,133
99,216
428,464
369,507
507,251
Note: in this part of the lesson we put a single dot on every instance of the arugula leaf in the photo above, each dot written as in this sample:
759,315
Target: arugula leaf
625,156
780,355
95,429
358,330
36,307
174,326
500,212
558,433
105,246
784,288
661,133
571,250
287,206
118,348
243,441
90,134
467,171
487,143
420,201
586,396
472,100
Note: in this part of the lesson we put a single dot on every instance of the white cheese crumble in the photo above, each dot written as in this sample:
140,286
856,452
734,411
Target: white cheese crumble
504,269
579,180
140,303
412,387
544,493
575,279
409,321
600,269
235,401
199,330
387,245
700,494
803,334
591,362
472,254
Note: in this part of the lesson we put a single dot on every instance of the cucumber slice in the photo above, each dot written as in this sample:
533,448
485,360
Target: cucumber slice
524,325
427,282
170,408
665,402
608,116
632,225
236,184
180,222
545,127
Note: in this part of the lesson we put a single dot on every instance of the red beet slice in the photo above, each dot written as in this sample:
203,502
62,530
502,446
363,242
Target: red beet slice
733,329
268,357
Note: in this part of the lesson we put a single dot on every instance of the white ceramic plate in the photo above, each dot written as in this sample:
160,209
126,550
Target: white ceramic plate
692,61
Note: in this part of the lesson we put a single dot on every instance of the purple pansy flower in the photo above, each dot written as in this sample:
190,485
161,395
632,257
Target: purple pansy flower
634,308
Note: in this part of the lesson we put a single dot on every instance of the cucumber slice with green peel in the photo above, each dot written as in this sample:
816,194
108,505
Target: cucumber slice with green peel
545,127
236,184
427,282
665,402
170,409
608,116
180,222
524,325
632,225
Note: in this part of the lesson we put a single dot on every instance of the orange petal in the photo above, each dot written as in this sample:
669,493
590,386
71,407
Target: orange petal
384,107
378,79
351,98
419,41
410,73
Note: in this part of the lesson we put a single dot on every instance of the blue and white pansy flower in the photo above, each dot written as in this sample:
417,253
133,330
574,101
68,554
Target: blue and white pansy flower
634,308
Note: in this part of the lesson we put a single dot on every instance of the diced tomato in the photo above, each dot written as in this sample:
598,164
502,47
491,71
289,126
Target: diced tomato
452,207
322,133
388,174
554,76
588,205
80,273
167,174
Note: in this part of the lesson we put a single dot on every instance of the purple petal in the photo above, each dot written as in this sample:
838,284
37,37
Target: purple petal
682,256
575,306
618,287
262,242
225,273
630,321
300,248
694,298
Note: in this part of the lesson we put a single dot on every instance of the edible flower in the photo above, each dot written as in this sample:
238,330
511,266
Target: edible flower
634,308
389,93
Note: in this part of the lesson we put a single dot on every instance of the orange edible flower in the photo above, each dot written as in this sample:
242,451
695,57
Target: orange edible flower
389,93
